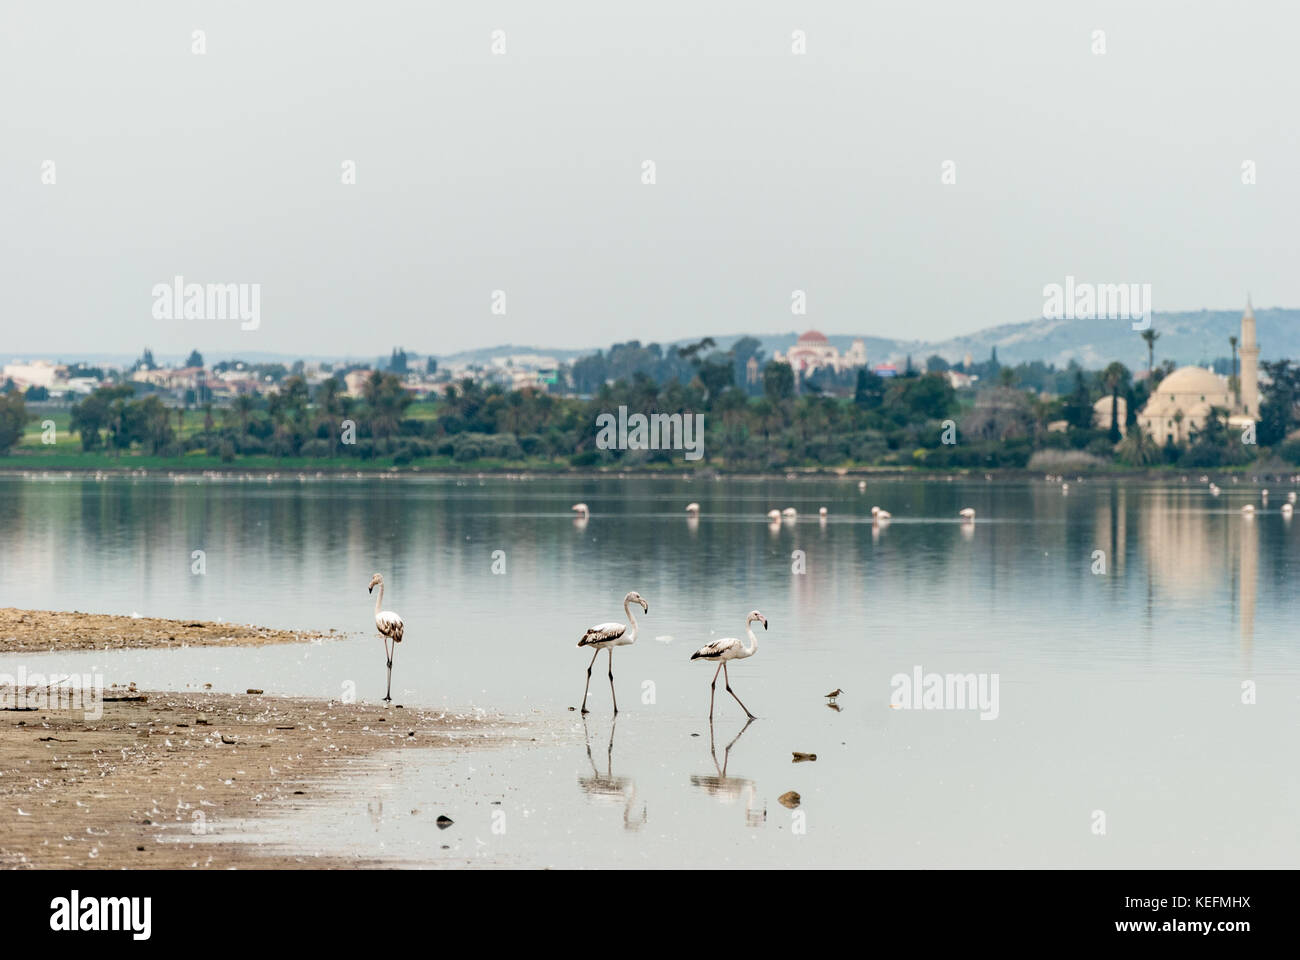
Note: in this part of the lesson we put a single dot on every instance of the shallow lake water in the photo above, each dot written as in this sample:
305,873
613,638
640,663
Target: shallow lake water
1119,674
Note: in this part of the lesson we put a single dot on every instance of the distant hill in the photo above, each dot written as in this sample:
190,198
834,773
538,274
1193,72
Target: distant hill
1188,337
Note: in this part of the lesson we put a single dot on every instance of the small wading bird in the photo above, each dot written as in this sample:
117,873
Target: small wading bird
390,626
729,648
607,636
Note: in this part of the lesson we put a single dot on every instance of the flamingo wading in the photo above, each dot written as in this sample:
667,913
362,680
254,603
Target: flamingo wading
390,626
607,636
729,648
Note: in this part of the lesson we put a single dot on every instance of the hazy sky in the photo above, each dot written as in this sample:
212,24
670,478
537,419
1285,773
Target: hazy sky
522,172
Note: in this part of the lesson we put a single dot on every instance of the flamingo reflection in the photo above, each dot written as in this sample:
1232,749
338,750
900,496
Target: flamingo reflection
729,789
607,787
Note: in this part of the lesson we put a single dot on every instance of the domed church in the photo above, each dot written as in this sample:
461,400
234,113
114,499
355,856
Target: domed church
1182,401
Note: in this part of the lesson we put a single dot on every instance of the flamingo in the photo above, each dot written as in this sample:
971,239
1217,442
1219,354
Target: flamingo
693,509
607,636
774,515
789,513
1291,497
822,511
967,513
390,626
1287,509
878,514
729,648
1248,510
581,510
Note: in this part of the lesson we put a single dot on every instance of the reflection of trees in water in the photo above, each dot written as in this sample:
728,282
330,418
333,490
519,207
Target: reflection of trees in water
729,789
607,787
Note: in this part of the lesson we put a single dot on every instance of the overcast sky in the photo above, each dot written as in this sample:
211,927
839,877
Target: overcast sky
522,172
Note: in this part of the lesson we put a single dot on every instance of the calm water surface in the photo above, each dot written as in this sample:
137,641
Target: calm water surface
1118,692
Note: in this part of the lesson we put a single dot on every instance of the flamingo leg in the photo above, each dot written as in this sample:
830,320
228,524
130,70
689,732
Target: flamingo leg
588,687
611,680
388,697
727,679
713,692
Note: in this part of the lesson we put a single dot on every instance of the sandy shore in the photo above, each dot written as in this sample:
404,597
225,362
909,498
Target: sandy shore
24,631
151,782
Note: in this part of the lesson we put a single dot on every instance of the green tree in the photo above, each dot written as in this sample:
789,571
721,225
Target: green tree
13,420
778,381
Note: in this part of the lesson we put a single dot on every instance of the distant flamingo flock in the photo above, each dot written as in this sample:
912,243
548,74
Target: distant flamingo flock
608,635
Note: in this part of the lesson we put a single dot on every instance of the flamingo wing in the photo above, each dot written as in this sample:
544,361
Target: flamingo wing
715,650
390,625
602,632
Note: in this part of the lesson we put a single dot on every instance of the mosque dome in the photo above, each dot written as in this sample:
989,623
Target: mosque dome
1192,381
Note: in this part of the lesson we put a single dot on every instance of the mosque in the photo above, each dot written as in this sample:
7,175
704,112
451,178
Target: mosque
1183,399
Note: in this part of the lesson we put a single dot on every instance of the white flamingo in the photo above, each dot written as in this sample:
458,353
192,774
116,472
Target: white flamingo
1287,510
693,509
1291,497
878,514
822,511
607,636
581,510
967,513
726,649
789,513
1248,510
390,626
774,515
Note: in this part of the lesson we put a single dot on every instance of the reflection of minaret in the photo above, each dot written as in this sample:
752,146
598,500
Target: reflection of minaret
1248,571
1249,364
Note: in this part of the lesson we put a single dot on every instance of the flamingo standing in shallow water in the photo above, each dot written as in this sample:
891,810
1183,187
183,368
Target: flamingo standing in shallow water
729,648
581,510
878,514
607,636
390,626
967,513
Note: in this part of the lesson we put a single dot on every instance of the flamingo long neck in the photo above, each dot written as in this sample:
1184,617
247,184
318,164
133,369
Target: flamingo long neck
379,599
753,640
627,609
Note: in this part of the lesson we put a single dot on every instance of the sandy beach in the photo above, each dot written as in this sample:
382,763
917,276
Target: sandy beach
151,783
23,631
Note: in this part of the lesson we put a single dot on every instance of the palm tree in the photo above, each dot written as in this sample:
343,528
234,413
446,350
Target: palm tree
1114,376
1150,336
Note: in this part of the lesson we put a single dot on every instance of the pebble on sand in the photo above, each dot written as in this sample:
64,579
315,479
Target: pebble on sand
802,757
789,799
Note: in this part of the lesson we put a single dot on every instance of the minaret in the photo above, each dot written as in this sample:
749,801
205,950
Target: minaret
1249,364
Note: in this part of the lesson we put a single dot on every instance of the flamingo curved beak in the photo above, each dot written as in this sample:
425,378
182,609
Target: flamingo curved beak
370,589
645,606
